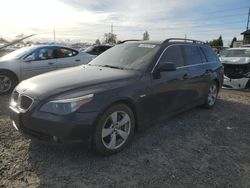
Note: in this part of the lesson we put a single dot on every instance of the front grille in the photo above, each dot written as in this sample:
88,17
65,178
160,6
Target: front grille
25,102
20,101
236,71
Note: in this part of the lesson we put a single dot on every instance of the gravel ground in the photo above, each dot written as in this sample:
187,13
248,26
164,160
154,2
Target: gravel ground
198,148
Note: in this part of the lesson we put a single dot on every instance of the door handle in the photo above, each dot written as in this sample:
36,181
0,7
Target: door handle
77,60
51,63
185,76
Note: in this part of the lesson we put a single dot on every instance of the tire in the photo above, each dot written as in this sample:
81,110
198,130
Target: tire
212,95
114,130
7,82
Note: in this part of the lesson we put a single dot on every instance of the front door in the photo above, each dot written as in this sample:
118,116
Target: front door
168,89
40,61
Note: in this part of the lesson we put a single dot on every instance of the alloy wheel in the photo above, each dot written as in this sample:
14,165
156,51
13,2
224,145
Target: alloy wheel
212,94
116,130
5,83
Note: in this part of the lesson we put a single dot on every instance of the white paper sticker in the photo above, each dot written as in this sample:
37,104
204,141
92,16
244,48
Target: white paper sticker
146,45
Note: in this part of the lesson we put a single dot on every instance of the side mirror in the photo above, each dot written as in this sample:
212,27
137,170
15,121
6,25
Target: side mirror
166,66
28,59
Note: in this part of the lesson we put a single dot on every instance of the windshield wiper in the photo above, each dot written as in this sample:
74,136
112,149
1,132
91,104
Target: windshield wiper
111,66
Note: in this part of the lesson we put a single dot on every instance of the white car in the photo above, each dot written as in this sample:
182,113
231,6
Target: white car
236,63
31,61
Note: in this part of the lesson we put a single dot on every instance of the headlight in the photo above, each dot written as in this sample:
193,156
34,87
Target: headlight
66,106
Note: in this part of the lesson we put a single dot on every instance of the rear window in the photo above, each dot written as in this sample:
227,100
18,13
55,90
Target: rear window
209,53
193,56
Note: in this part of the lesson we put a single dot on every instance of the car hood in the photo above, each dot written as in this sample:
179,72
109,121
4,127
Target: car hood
80,77
235,60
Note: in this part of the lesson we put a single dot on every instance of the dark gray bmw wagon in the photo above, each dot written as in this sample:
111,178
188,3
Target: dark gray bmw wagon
125,89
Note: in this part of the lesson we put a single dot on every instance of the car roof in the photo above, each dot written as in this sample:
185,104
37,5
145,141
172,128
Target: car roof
49,45
146,42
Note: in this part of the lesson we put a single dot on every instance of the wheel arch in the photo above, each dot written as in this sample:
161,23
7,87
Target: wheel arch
128,102
11,73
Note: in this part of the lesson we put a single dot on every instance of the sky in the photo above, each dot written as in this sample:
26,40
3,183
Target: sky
88,20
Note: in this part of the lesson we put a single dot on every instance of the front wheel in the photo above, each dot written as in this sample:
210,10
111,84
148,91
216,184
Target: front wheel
7,82
114,129
211,97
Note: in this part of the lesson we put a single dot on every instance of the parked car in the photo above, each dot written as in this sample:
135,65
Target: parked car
124,89
97,49
31,61
236,63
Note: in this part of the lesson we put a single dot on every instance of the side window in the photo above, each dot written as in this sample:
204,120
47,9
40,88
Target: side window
193,56
210,55
65,52
173,54
203,57
43,54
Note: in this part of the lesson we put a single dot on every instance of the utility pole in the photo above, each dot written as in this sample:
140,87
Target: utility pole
112,28
54,35
248,18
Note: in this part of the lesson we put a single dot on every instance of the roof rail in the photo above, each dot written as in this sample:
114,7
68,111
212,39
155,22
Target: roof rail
184,40
120,42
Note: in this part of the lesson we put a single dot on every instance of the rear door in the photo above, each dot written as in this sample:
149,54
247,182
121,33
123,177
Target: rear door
41,60
197,74
67,57
168,88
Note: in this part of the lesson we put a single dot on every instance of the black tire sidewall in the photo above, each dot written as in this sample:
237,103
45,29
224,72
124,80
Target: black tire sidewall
97,138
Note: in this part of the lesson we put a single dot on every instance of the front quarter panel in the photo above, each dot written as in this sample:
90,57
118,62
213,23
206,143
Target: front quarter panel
13,66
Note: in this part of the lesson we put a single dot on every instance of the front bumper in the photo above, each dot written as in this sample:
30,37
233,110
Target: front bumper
235,83
76,127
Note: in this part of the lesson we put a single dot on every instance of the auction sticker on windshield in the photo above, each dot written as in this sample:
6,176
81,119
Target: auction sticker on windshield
146,45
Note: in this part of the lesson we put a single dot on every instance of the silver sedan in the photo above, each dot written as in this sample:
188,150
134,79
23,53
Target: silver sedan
31,61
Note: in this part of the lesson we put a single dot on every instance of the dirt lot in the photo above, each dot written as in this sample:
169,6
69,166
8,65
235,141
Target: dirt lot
199,148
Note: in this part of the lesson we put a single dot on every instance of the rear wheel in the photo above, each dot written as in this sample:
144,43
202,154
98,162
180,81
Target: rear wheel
212,95
114,130
7,82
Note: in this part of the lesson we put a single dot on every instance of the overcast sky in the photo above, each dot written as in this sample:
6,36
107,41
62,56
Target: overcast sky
87,20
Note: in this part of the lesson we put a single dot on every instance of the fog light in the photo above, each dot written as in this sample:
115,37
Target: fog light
14,124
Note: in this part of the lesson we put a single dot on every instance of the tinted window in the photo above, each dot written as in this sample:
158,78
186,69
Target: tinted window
192,55
173,54
65,52
203,57
43,54
210,55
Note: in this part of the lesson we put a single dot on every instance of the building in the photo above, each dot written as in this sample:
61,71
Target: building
246,37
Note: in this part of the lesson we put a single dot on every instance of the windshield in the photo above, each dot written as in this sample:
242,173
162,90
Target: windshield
127,56
17,53
236,53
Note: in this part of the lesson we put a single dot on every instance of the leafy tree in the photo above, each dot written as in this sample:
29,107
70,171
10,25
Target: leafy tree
97,42
110,38
216,42
232,43
145,36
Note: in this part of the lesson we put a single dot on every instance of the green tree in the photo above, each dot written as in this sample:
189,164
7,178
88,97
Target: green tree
232,43
145,36
216,42
97,42
110,38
